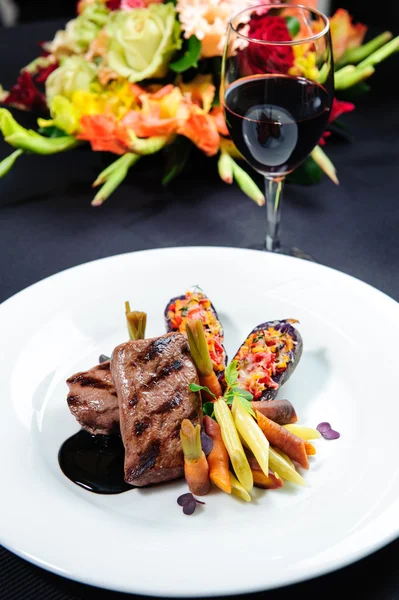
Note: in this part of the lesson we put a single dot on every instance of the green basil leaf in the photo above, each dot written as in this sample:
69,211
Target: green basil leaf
246,405
208,409
194,387
243,394
231,374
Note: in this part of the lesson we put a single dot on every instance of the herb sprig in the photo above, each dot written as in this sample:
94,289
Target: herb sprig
233,391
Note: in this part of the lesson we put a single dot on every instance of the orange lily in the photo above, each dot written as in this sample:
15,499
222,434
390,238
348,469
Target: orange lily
200,128
200,91
161,113
218,117
104,133
344,34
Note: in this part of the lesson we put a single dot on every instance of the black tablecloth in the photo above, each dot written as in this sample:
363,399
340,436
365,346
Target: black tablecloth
47,224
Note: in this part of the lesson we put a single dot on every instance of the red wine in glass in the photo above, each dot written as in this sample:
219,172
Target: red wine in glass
276,120
277,88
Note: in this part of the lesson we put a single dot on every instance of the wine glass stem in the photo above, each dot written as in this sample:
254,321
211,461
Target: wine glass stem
274,192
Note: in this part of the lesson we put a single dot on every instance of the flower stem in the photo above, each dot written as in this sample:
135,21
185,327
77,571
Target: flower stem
353,77
124,160
246,184
39,144
321,158
380,54
114,179
355,55
225,167
7,163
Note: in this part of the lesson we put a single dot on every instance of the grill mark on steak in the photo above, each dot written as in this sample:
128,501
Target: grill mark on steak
157,347
193,416
133,400
147,460
141,426
92,400
169,404
88,381
164,372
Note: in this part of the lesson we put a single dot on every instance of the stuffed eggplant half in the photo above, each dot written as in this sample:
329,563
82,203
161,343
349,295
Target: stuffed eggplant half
196,305
268,357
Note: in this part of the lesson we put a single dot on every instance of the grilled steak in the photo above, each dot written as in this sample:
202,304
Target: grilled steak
152,379
92,400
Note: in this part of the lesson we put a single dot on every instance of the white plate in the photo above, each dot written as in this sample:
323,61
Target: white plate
140,541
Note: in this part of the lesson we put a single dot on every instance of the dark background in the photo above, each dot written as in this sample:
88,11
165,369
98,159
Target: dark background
383,15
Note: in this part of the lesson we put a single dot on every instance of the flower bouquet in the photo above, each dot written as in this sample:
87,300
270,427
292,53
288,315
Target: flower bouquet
139,77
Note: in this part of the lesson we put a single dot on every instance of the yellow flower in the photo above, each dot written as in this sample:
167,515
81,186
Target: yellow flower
304,62
117,100
66,114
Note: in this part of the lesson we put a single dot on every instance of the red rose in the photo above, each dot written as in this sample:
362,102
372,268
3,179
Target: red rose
25,94
262,58
113,4
44,72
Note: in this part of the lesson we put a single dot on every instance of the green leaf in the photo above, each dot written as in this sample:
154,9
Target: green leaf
245,404
231,374
293,26
229,397
208,409
191,54
52,132
306,174
243,394
194,387
177,155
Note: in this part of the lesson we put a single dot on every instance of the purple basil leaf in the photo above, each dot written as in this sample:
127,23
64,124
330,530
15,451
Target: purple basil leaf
206,443
189,507
188,502
323,427
184,498
330,434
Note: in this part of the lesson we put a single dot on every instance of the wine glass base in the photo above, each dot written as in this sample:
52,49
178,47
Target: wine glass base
287,251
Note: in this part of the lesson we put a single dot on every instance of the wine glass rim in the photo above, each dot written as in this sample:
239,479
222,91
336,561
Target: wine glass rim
303,40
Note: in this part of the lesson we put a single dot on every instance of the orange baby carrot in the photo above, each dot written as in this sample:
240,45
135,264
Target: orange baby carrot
200,355
196,469
212,383
218,458
283,439
310,449
272,481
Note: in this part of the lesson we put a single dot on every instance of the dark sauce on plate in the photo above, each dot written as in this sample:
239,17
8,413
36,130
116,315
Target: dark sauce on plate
94,462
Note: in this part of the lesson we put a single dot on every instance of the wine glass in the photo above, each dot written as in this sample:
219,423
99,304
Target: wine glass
277,88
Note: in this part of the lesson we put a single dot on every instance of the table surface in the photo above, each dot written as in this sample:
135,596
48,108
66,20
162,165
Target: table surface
47,225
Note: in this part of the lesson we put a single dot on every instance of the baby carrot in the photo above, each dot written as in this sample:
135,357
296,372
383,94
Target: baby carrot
196,470
283,439
310,449
218,458
200,355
